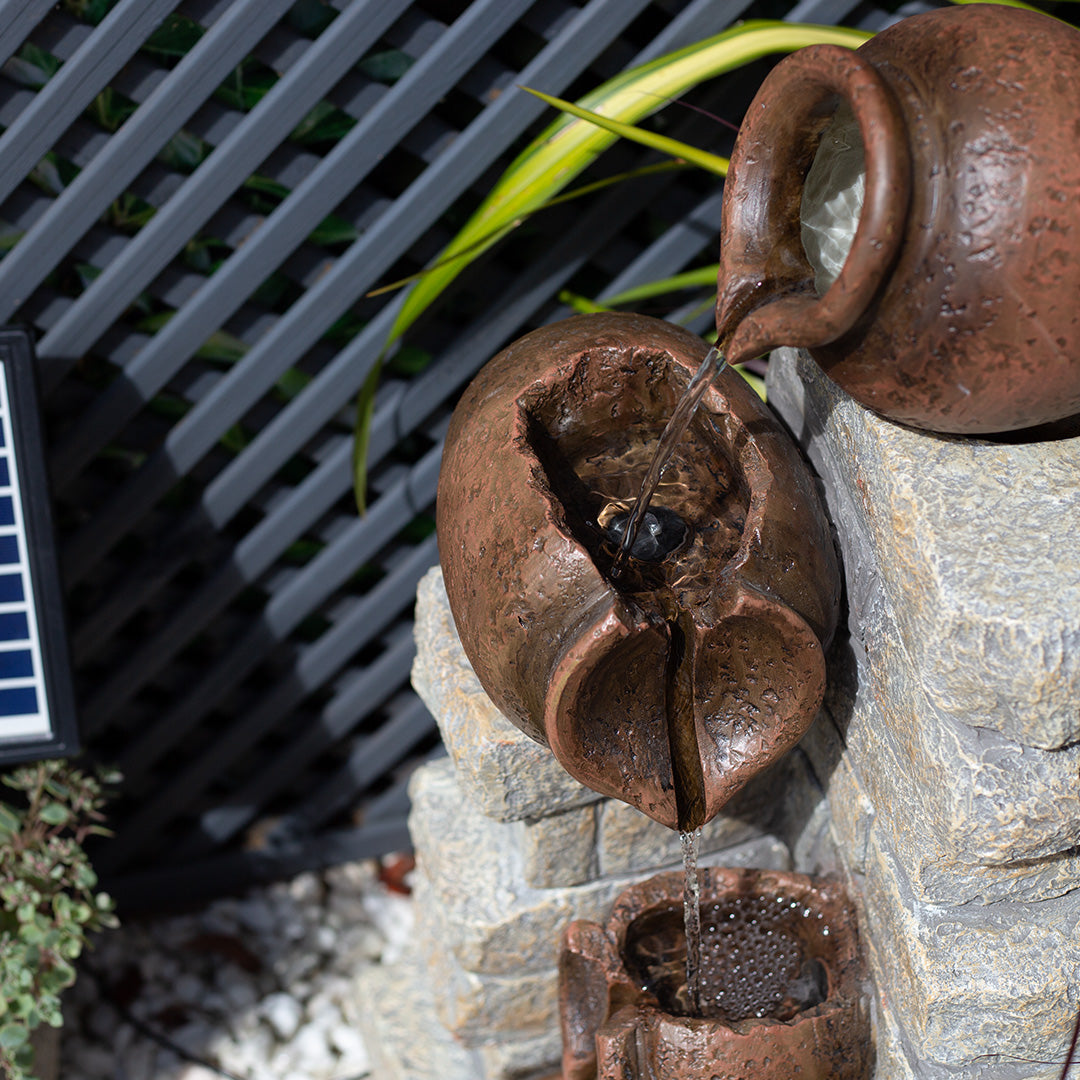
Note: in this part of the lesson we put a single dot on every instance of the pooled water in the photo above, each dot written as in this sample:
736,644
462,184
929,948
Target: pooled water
754,960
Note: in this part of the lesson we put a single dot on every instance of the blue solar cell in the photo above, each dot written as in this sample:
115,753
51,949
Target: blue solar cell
9,549
16,664
5,475
11,588
18,701
13,626
7,510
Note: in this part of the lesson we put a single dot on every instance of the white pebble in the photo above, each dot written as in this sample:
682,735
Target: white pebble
349,1043
311,1048
325,938
283,1013
196,1072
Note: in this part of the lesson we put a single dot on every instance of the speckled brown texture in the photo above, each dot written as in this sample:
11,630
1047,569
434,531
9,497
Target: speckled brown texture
614,1030
583,666
956,309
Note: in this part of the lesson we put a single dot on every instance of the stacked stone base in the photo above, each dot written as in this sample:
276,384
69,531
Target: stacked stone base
949,745
510,849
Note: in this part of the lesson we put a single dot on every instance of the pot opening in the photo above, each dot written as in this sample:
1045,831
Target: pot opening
594,436
764,956
832,197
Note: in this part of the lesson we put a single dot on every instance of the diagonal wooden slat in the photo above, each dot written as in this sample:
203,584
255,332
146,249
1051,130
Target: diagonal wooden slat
339,172
75,85
76,209
290,99
17,19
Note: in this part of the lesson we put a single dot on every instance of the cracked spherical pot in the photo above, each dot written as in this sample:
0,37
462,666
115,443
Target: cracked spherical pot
670,690
956,308
782,973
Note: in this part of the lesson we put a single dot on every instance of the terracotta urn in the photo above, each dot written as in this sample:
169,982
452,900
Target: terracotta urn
672,687
783,980
956,307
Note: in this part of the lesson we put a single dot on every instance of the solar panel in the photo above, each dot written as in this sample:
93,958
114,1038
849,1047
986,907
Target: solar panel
36,703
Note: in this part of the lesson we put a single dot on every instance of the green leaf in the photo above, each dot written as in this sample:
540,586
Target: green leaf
310,17
409,360
689,279
10,822
756,381
54,813
325,123
13,1036
582,305
570,144
175,37
223,347
709,162
184,152
333,230
365,414
387,66
32,66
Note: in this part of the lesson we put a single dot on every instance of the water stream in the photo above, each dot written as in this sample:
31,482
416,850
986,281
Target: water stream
710,368
692,919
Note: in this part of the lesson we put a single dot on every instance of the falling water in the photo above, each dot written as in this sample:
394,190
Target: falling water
692,919
710,368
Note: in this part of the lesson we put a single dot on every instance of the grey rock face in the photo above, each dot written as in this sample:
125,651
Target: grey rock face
973,542
948,741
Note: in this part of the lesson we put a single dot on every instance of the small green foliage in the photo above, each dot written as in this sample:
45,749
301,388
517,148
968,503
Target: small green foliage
48,898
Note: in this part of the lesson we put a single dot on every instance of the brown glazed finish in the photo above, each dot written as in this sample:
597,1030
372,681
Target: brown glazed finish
613,1029
556,427
957,308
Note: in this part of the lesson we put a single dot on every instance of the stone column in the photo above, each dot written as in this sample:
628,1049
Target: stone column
510,849
950,743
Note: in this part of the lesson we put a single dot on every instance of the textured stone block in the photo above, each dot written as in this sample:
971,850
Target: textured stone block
501,769
968,981
970,814
560,849
400,1028
407,1041
524,1059
478,1008
493,922
973,543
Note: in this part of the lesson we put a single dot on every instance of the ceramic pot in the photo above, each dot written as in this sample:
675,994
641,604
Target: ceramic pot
671,689
956,308
795,944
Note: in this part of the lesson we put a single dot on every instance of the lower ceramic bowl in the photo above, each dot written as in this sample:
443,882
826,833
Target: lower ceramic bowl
782,984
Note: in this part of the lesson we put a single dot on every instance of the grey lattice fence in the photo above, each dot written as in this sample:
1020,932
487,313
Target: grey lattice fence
196,197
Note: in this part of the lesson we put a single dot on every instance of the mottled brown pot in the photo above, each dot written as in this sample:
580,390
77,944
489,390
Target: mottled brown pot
550,431
957,308
614,1029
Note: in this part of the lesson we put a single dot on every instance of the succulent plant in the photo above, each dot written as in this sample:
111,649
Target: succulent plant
49,902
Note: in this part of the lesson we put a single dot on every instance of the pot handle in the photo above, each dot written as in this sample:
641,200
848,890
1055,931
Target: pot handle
765,286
